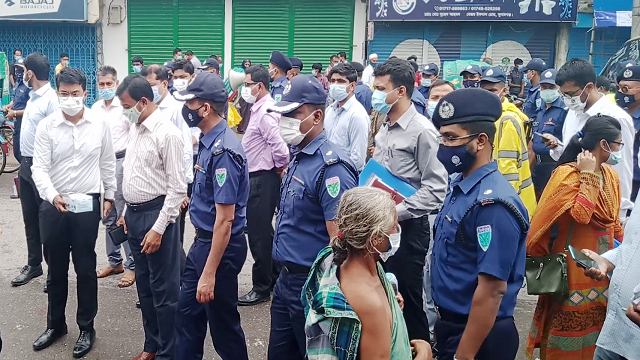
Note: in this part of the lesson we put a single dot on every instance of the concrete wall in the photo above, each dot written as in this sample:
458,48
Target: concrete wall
115,38
359,31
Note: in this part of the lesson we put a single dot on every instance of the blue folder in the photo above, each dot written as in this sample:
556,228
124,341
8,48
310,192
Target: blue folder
374,168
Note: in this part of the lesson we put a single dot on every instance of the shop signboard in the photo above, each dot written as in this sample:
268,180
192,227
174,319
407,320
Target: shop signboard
43,10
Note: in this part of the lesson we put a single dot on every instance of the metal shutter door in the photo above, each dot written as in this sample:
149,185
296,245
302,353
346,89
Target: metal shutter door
259,29
533,41
321,29
201,27
389,35
151,30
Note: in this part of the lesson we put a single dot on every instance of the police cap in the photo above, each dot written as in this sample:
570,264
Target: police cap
536,64
494,75
359,67
205,86
296,63
467,105
19,63
548,77
430,69
210,63
278,59
302,89
471,69
631,73
168,65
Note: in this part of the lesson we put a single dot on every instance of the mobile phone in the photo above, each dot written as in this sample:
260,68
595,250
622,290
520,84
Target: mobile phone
118,235
581,259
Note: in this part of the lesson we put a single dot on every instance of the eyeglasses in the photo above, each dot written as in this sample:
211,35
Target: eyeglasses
570,95
250,84
442,139
620,143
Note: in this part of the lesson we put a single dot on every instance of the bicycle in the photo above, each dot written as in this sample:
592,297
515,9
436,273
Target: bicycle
8,162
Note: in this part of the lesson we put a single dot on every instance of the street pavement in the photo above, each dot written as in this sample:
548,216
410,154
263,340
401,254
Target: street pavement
118,325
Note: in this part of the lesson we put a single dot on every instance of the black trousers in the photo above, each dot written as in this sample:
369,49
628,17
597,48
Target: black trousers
501,343
64,233
408,266
16,137
264,195
157,278
634,190
183,223
30,201
540,175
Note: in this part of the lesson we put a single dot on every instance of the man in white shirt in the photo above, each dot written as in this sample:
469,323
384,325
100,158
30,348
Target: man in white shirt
73,155
577,81
171,110
108,109
367,74
43,102
346,121
153,187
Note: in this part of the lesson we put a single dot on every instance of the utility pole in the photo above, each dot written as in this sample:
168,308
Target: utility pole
635,20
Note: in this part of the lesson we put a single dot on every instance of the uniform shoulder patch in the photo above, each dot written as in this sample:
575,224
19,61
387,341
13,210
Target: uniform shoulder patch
484,236
277,98
221,176
333,186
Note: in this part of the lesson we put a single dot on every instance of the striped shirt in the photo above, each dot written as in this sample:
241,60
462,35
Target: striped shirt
154,167
619,334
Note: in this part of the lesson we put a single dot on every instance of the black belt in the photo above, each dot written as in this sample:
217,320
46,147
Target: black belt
261,173
204,234
544,158
121,154
292,268
456,318
146,206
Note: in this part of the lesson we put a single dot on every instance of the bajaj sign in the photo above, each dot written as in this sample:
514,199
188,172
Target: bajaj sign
43,10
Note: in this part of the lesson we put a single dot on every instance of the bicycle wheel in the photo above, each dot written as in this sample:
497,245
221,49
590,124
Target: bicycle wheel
11,163
3,157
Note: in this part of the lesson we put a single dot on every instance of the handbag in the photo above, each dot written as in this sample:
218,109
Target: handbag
547,275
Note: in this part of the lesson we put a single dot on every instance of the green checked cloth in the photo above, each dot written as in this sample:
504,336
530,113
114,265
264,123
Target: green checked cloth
332,328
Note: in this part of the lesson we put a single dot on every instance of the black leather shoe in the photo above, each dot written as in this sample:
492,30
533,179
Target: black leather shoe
48,337
84,343
253,298
27,274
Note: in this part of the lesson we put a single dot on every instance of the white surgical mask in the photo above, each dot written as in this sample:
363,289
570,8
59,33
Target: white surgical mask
132,114
394,240
71,105
25,80
574,103
247,95
314,72
180,84
290,130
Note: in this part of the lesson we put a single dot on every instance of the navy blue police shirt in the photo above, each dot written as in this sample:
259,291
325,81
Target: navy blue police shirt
636,145
221,177
496,244
277,88
548,121
424,91
533,102
364,94
305,207
20,96
419,102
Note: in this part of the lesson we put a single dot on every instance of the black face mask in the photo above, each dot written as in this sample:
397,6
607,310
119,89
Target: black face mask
457,159
191,117
624,100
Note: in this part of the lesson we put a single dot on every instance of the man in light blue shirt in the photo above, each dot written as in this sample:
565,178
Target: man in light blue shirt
43,101
619,337
346,121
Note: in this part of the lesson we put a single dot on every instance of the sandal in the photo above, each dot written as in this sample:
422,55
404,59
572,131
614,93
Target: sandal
109,270
127,279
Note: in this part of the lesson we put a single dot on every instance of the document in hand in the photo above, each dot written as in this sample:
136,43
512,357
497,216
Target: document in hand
376,175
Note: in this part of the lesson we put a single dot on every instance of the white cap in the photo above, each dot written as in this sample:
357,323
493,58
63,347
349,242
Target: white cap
373,56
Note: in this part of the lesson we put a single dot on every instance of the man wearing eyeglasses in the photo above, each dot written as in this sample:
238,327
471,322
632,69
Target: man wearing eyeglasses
577,82
629,81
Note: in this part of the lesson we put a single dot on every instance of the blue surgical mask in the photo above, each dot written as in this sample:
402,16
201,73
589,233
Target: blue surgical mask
456,159
373,64
425,82
107,94
379,101
338,92
614,156
471,83
137,69
549,95
156,94
526,80
431,107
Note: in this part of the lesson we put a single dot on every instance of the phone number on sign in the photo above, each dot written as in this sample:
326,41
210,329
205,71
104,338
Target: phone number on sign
466,8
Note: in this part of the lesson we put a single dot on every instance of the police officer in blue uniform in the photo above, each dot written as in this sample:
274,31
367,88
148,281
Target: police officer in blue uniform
362,92
428,76
279,66
624,100
316,178
471,76
478,259
296,67
533,71
629,81
15,109
218,212
549,120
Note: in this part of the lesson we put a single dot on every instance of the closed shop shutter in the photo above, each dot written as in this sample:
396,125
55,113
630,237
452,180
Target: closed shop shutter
522,40
321,29
80,41
607,42
311,30
258,30
156,27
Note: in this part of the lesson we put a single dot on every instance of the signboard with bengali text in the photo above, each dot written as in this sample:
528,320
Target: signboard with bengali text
474,10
